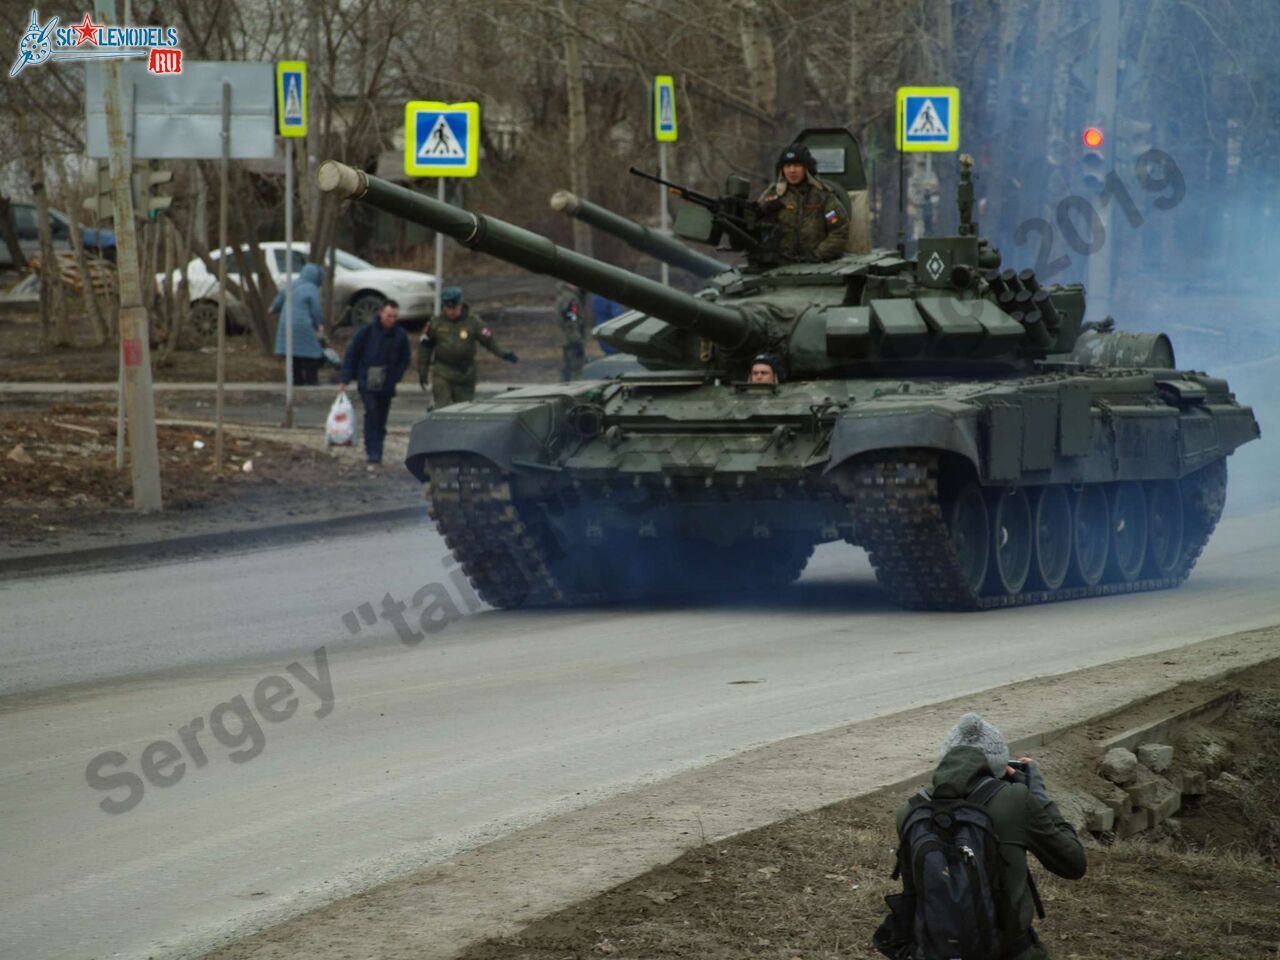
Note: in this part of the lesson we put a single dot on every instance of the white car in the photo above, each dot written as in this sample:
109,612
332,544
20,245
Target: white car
359,287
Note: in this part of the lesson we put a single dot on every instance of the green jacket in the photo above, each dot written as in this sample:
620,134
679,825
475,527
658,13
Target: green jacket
1022,820
810,219
452,344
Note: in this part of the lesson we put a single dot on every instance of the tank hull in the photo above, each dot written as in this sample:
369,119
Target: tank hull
966,495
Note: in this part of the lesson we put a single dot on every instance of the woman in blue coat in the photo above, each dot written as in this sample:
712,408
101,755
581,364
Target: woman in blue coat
308,325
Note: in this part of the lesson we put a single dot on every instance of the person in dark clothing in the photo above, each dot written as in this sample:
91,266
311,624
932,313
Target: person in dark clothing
1023,816
376,359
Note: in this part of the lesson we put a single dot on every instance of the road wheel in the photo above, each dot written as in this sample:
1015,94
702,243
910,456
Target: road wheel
1128,531
1013,536
204,320
1090,536
363,309
967,520
1165,528
1053,537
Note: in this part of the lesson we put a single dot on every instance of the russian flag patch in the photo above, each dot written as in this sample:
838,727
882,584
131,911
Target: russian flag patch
832,217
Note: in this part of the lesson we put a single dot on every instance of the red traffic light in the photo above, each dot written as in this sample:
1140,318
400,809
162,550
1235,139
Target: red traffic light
1093,137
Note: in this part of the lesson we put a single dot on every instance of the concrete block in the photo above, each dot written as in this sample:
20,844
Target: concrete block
1116,800
1119,765
1101,819
1142,788
1167,802
1156,756
1133,823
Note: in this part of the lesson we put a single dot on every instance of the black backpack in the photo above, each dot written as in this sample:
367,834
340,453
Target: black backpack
952,903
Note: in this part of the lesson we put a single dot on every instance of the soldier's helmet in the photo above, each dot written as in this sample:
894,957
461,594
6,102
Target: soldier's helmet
772,361
451,296
796,153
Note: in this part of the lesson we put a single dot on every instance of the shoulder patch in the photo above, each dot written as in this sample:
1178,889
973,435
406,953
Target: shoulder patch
486,332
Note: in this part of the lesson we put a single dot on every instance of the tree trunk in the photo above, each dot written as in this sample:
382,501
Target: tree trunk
54,328
760,60
172,299
578,146
92,308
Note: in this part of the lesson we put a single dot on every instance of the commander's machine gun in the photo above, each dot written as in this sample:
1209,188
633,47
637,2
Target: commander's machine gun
708,219
734,216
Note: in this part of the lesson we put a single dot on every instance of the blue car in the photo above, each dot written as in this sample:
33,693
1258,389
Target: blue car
24,224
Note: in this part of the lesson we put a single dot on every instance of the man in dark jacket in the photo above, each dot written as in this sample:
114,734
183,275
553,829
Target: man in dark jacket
1022,814
376,359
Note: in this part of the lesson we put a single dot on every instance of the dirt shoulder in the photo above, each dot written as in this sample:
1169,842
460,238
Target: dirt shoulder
64,494
800,883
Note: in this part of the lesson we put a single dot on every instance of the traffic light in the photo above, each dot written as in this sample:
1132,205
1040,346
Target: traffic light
154,177
1093,162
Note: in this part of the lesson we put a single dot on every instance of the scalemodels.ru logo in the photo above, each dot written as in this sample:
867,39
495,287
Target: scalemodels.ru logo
95,41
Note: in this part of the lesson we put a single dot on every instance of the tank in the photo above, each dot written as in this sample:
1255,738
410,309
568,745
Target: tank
959,422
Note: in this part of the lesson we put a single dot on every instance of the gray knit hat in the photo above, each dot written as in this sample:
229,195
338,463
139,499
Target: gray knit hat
973,731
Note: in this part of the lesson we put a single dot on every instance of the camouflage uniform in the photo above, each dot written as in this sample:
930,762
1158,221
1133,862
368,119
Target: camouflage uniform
451,345
573,332
810,219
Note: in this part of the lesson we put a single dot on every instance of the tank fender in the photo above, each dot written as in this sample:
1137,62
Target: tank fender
499,439
916,429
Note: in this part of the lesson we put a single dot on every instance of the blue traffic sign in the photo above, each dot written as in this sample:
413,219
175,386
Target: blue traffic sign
441,139
928,118
291,98
664,109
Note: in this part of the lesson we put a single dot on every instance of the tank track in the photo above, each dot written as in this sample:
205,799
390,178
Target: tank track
510,565
471,503
897,513
899,519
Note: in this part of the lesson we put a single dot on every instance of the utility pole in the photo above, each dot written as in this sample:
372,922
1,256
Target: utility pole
135,349
1098,287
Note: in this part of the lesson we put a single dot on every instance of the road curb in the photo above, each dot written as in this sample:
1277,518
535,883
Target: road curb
166,547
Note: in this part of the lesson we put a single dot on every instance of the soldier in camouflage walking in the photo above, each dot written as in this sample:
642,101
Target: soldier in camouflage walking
573,332
449,341
810,217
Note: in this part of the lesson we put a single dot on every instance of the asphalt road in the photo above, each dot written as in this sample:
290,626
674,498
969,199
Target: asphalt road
385,755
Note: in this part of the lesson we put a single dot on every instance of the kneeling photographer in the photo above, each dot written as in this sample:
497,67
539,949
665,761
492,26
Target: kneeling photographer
967,891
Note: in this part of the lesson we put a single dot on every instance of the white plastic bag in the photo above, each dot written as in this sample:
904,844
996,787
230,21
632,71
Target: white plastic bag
340,428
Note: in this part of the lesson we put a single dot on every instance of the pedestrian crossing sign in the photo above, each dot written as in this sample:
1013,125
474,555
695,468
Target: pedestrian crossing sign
291,98
441,139
664,110
928,119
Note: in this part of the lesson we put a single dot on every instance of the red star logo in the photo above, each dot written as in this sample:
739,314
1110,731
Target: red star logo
88,30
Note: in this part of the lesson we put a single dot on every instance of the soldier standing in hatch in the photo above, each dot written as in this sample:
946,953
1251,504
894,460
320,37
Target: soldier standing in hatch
449,340
573,332
809,216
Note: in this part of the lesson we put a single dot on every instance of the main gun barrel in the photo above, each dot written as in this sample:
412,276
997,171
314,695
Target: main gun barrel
637,235
726,326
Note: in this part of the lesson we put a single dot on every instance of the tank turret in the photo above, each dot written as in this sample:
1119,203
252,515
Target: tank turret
738,330
636,235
